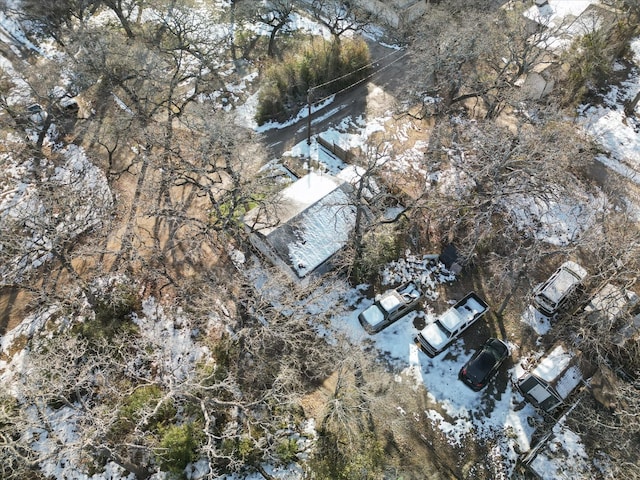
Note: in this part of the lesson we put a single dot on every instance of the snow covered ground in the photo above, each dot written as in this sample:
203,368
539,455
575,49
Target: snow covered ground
461,414
607,124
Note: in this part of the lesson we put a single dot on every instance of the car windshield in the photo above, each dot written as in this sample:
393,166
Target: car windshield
546,301
482,364
451,319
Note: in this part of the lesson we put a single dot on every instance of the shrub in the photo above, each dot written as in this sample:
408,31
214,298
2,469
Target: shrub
287,451
243,448
144,399
178,447
337,459
287,82
118,304
380,248
112,313
590,60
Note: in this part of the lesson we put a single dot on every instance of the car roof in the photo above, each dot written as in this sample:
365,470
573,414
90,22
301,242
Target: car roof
559,284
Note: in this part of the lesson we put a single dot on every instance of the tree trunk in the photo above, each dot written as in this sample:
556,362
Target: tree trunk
140,472
116,6
630,107
264,473
272,43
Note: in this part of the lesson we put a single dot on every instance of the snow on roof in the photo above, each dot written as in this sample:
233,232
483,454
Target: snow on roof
610,301
353,174
557,12
373,315
552,366
568,381
323,230
563,282
567,19
561,370
313,219
292,201
389,302
452,319
434,335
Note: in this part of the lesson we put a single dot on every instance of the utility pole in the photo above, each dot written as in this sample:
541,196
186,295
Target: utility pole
309,115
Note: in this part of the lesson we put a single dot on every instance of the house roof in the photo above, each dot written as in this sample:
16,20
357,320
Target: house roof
556,13
567,20
291,201
312,219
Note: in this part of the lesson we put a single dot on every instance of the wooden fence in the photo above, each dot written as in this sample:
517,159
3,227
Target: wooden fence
344,155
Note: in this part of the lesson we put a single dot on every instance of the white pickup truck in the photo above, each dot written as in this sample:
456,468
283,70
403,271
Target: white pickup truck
437,336
390,306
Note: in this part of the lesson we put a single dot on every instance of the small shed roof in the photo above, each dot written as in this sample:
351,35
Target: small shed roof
555,13
610,302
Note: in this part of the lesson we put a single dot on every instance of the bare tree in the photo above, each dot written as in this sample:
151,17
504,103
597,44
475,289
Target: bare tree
17,460
47,220
605,331
56,18
276,15
347,443
340,17
123,10
487,171
611,436
457,65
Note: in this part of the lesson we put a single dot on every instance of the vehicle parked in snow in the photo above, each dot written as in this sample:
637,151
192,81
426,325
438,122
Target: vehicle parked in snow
555,377
390,306
484,364
617,308
36,114
553,294
437,336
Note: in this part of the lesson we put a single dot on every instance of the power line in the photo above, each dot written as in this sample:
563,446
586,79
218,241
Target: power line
347,87
364,78
370,64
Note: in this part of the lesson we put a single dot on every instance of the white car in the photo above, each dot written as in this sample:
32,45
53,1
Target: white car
553,294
